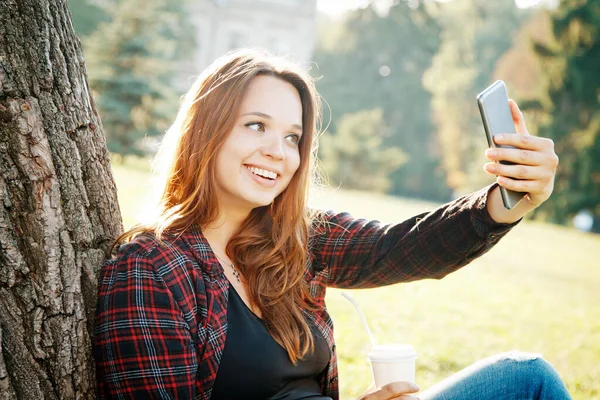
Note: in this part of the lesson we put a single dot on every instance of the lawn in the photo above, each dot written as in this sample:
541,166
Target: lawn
538,290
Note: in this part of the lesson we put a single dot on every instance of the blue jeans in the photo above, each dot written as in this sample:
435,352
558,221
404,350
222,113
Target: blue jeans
511,376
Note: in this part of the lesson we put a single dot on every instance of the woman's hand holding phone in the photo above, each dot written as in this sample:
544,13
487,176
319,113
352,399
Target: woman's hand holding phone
534,167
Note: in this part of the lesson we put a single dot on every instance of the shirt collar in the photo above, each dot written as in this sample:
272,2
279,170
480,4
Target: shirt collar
196,241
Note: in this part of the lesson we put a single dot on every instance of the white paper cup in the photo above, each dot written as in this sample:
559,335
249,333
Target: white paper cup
393,363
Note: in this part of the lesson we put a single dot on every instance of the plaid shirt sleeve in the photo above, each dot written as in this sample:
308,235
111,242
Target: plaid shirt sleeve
357,253
142,342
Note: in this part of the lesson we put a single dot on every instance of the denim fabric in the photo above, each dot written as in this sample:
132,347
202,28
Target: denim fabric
511,376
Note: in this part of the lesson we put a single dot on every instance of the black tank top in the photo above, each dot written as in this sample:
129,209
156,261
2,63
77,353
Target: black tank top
255,366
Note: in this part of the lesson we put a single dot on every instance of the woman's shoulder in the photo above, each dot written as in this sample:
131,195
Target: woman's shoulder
169,259
147,247
147,266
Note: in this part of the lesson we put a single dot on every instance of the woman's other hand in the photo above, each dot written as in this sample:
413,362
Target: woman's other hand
394,390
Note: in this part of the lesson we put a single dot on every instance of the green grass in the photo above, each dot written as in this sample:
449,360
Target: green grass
133,187
538,290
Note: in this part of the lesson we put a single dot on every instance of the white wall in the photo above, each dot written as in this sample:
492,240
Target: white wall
280,26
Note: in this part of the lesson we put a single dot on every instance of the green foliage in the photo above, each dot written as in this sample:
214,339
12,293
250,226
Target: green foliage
571,106
128,61
355,156
475,35
368,61
86,16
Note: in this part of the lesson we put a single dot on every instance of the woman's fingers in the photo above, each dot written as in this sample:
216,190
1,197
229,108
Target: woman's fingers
521,178
518,156
519,171
545,157
525,186
526,142
518,118
394,390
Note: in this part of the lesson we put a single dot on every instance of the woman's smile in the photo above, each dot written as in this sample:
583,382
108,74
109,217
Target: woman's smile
263,177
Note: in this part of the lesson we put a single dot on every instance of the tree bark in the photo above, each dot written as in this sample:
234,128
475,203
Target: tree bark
59,213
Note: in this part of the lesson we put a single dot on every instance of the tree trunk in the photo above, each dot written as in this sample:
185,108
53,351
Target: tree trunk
60,210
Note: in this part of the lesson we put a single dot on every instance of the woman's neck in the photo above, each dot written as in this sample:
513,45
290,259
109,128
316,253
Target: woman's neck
220,232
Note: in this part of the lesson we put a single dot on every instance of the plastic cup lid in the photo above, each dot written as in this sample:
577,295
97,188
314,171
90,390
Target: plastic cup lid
392,353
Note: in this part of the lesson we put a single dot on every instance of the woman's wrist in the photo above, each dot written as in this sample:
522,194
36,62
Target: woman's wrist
501,214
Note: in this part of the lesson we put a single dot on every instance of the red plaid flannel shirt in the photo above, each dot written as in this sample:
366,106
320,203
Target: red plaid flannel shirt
161,319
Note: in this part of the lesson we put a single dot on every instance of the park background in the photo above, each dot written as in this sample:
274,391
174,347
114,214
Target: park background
403,134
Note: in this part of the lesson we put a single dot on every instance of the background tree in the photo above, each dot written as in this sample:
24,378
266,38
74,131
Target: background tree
59,212
519,66
570,105
86,16
132,61
475,34
376,60
355,157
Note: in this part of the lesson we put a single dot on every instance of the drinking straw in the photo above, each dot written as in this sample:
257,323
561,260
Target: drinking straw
362,317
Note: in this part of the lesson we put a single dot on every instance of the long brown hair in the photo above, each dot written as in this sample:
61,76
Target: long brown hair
270,248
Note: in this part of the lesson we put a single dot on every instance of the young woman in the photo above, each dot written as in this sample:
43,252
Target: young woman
221,296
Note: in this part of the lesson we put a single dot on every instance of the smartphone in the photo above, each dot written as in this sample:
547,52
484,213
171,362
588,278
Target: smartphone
497,118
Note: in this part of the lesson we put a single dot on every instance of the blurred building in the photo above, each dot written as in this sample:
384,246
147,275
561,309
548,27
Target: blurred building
281,26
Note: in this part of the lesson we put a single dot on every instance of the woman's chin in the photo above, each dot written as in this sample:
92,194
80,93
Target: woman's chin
258,202
262,204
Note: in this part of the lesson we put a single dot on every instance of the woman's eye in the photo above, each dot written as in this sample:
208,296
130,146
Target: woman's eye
256,126
294,138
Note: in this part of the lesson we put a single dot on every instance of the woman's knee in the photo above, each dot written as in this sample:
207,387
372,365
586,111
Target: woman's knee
530,363
512,375
533,371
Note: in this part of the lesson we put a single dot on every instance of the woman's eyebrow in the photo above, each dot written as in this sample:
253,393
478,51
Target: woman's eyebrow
267,116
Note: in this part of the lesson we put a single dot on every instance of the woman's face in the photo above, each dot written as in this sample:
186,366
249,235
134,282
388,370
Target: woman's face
261,154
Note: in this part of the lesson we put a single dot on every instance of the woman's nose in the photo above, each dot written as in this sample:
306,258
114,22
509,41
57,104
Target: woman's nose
273,147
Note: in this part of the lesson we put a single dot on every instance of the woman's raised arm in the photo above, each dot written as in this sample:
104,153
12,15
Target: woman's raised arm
358,253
